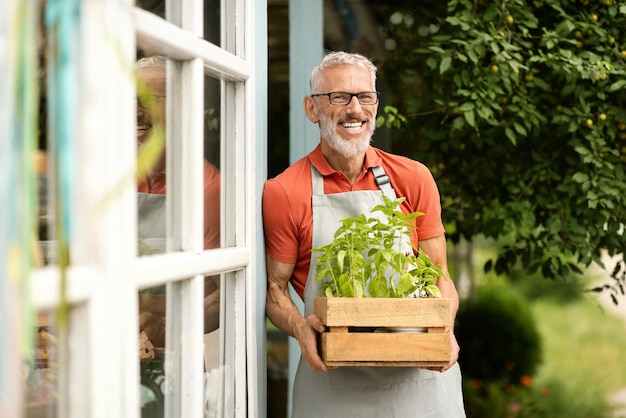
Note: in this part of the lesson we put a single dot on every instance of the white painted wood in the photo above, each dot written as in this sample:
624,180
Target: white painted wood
11,387
157,270
236,201
100,367
254,311
11,394
103,334
150,272
178,44
46,286
257,339
184,318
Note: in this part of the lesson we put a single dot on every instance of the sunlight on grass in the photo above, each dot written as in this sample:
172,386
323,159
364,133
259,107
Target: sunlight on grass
583,343
583,348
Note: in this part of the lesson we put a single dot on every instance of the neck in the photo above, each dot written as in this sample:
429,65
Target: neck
350,167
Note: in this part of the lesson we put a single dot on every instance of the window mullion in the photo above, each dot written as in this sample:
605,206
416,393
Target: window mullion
185,317
100,366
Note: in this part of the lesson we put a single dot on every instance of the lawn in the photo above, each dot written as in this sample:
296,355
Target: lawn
583,341
583,358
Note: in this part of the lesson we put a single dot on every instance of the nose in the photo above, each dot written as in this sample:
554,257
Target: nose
140,110
354,104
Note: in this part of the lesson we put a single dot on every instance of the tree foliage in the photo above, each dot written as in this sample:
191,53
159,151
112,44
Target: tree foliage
519,107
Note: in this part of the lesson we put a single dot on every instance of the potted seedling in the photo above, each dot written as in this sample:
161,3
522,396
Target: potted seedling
374,283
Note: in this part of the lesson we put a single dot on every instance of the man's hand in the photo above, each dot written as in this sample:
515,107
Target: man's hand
454,352
285,315
307,337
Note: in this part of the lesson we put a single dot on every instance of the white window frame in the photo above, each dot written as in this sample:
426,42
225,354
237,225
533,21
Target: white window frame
99,365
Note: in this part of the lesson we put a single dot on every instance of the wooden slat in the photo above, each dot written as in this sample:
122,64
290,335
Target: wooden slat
385,349
383,312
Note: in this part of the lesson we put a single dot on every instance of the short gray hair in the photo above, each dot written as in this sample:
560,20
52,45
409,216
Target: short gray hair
155,61
341,58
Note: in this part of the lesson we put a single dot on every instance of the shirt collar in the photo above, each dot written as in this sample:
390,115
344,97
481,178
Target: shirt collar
372,159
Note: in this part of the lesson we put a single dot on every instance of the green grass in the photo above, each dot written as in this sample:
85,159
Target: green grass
584,345
583,357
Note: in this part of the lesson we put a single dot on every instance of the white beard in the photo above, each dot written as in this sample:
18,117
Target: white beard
348,149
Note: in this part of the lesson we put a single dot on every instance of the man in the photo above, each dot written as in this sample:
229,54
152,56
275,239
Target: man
151,106
334,181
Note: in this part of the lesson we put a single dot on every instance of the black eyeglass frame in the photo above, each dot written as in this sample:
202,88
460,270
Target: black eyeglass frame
148,101
330,98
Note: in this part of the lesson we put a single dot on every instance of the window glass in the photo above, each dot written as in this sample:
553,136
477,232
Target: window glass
151,105
151,110
211,16
41,364
41,370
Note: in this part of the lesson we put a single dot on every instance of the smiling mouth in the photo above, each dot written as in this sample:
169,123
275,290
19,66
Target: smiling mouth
353,125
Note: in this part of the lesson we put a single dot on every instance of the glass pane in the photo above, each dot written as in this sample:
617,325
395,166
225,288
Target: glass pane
151,130
152,351
151,105
41,370
212,284
211,16
212,182
153,6
151,119
153,347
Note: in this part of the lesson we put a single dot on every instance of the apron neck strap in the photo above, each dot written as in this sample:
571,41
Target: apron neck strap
384,184
382,179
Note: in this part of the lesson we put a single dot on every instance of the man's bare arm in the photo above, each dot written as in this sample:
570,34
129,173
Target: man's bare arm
436,249
285,315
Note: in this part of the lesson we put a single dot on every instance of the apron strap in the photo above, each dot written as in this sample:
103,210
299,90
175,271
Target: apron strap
317,181
382,179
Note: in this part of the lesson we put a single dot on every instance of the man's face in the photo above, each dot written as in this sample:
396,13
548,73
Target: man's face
346,129
150,103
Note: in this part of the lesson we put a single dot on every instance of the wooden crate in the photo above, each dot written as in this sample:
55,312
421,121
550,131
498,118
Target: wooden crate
364,331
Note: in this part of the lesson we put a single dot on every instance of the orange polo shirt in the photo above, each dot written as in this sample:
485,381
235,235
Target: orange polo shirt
288,215
211,200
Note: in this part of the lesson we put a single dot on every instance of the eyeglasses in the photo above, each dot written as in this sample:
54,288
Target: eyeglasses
148,101
342,98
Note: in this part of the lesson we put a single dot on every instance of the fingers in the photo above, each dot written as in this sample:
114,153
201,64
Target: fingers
308,343
314,322
454,353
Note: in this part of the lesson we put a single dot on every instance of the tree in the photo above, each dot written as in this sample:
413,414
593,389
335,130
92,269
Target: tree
519,107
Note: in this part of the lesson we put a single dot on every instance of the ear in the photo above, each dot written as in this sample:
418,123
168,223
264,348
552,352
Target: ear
310,107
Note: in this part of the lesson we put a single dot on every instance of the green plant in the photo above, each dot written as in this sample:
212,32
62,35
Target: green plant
498,335
504,399
519,109
366,258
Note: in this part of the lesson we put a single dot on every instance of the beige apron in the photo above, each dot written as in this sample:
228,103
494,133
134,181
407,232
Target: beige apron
151,222
365,392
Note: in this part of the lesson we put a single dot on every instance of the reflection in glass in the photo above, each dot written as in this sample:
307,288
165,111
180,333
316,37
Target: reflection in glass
41,370
151,106
152,351
211,16
153,347
151,118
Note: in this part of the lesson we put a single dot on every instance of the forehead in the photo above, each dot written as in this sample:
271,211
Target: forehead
350,78
154,78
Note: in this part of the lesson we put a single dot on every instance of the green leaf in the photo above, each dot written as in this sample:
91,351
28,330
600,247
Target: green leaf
445,64
470,118
511,135
618,85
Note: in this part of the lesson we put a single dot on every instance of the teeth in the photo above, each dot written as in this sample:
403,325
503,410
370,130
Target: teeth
354,125
142,127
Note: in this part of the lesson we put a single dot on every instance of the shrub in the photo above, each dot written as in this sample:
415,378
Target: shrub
498,337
